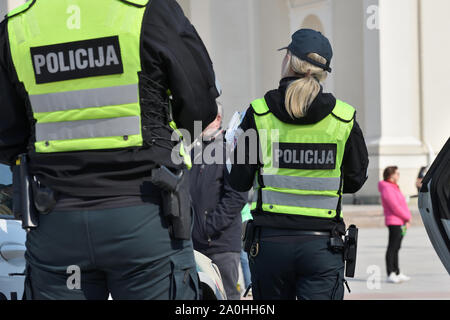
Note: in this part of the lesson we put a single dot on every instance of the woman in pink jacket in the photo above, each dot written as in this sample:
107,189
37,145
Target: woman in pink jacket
397,218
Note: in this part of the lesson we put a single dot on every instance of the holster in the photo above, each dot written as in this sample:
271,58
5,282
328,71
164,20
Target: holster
176,201
29,196
350,252
23,201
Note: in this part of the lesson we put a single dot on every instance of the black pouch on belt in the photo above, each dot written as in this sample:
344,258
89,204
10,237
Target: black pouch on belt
248,235
176,202
351,247
44,197
181,223
23,202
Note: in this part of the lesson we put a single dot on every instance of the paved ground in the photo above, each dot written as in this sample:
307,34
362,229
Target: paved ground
418,259
371,216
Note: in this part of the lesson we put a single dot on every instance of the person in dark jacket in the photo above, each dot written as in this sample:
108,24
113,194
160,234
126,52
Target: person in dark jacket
217,207
108,219
312,152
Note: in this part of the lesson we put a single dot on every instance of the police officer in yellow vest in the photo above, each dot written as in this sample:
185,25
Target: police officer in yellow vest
84,96
310,151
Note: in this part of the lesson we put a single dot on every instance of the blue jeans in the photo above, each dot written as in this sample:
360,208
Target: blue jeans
245,269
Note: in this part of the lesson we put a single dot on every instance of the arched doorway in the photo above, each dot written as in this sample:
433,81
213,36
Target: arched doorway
313,22
316,15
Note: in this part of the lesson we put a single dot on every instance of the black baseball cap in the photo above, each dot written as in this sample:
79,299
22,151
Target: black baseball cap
306,41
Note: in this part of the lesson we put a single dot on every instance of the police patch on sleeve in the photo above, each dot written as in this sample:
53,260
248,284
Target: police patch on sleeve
305,156
76,60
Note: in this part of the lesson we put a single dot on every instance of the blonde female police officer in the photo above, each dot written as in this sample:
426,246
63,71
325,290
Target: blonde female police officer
311,151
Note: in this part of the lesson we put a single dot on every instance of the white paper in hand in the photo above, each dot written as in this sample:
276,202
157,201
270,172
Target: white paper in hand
233,131
232,134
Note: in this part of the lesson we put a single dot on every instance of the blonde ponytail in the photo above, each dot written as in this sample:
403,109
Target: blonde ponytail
302,92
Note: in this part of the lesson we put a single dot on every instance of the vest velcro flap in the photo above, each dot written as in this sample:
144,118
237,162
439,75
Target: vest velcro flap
138,3
344,111
260,107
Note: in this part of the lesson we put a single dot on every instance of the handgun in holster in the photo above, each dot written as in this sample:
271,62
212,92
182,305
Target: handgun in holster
23,203
350,252
30,198
176,202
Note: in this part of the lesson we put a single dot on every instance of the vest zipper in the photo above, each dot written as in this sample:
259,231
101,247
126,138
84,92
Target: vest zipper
209,237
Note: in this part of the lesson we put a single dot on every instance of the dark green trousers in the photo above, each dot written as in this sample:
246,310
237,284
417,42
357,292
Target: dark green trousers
126,253
289,268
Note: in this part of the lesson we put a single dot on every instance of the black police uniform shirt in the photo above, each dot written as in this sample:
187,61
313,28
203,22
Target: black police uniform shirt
355,161
173,56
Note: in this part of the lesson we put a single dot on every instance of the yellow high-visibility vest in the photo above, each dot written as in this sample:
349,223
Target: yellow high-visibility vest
302,163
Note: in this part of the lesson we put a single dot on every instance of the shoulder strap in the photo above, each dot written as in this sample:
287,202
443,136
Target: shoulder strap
344,111
136,3
20,9
260,107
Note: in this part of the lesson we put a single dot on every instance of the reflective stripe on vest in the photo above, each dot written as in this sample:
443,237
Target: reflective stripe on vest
302,163
85,129
82,80
301,183
297,200
71,100
302,201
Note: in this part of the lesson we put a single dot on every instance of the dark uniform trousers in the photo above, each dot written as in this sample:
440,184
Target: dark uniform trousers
125,252
297,267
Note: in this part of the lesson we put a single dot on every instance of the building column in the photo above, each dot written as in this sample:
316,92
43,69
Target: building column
435,70
228,29
392,92
317,15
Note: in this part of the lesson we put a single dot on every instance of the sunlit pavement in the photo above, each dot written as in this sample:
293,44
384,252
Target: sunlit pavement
429,279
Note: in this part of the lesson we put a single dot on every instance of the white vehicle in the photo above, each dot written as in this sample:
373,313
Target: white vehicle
12,259
210,280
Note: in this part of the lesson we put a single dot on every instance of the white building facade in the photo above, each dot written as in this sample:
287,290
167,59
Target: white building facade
390,63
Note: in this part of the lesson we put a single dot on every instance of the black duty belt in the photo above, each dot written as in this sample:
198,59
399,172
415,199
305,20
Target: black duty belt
274,233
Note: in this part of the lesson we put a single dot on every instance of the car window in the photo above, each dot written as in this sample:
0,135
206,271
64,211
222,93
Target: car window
5,175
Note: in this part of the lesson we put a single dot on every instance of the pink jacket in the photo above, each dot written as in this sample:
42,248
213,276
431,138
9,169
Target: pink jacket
396,211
